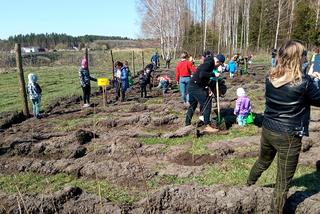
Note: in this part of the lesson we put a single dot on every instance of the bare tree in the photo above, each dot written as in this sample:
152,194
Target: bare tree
317,14
163,20
291,18
260,24
278,23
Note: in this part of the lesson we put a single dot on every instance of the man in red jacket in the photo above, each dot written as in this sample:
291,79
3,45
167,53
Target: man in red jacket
184,71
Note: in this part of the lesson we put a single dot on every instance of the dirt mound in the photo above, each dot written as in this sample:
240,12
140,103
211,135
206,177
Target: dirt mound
219,199
188,159
84,136
69,200
7,119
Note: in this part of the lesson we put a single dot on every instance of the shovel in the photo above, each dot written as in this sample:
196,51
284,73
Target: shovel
220,123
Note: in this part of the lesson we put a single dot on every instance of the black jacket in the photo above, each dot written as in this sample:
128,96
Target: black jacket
288,106
202,76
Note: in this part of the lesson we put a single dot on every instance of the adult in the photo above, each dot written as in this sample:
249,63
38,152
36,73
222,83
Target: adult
289,94
155,60
201,87
184,69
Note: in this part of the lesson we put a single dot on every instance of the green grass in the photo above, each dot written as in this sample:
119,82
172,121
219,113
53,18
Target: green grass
199,144
235,171
56,82
264,59
36,183
70,124
61,80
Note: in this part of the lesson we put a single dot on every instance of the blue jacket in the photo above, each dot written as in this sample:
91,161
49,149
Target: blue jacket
316,65
232,66
124,79
155,58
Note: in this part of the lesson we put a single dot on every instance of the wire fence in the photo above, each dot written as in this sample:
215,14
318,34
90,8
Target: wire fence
100,59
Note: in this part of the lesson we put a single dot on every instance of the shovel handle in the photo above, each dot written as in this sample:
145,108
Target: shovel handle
218,100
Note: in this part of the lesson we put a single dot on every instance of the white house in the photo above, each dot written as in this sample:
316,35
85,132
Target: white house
29,49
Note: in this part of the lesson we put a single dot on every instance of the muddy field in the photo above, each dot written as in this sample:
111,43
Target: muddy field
141,149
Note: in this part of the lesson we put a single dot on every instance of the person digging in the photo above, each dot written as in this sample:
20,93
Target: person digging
200,91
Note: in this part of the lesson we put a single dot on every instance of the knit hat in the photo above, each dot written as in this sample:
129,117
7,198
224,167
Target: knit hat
84,63
32,78
241,92
221,58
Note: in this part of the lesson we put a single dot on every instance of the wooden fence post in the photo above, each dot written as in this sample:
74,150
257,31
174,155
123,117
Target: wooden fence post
134,69
21,81
142,60
112,63
86,56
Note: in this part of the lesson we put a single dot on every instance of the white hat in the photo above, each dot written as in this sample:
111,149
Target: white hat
241,92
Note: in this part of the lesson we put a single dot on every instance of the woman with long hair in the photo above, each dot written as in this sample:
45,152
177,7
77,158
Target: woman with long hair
289,95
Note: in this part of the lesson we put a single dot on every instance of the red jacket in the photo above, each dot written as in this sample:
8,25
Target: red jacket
184,69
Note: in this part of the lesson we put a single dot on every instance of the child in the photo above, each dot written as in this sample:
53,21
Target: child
85,78
164,82
232,66
243,107
143,81
121,81
126,65
168,59
34,91
148,72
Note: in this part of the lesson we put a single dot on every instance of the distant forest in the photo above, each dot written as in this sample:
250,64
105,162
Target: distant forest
54,40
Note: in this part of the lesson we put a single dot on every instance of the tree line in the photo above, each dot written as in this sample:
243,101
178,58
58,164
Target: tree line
55,40
231,26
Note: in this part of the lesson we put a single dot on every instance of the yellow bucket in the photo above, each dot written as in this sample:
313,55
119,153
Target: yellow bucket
103,82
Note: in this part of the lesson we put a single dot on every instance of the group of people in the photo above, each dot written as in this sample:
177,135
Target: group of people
289,94
198,85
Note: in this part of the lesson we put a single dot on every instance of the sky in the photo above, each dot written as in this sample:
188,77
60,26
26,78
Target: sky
73,17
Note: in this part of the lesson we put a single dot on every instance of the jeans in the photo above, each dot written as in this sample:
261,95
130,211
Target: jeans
198,94
241,120
183,83
36,106
287,147
86,93
164,85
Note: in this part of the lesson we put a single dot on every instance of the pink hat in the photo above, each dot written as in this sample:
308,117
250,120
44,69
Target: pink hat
84,63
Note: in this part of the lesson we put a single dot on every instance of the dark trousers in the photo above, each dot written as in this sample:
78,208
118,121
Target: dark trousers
168,64
143,90
287,147
117,87
197,95
86,93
